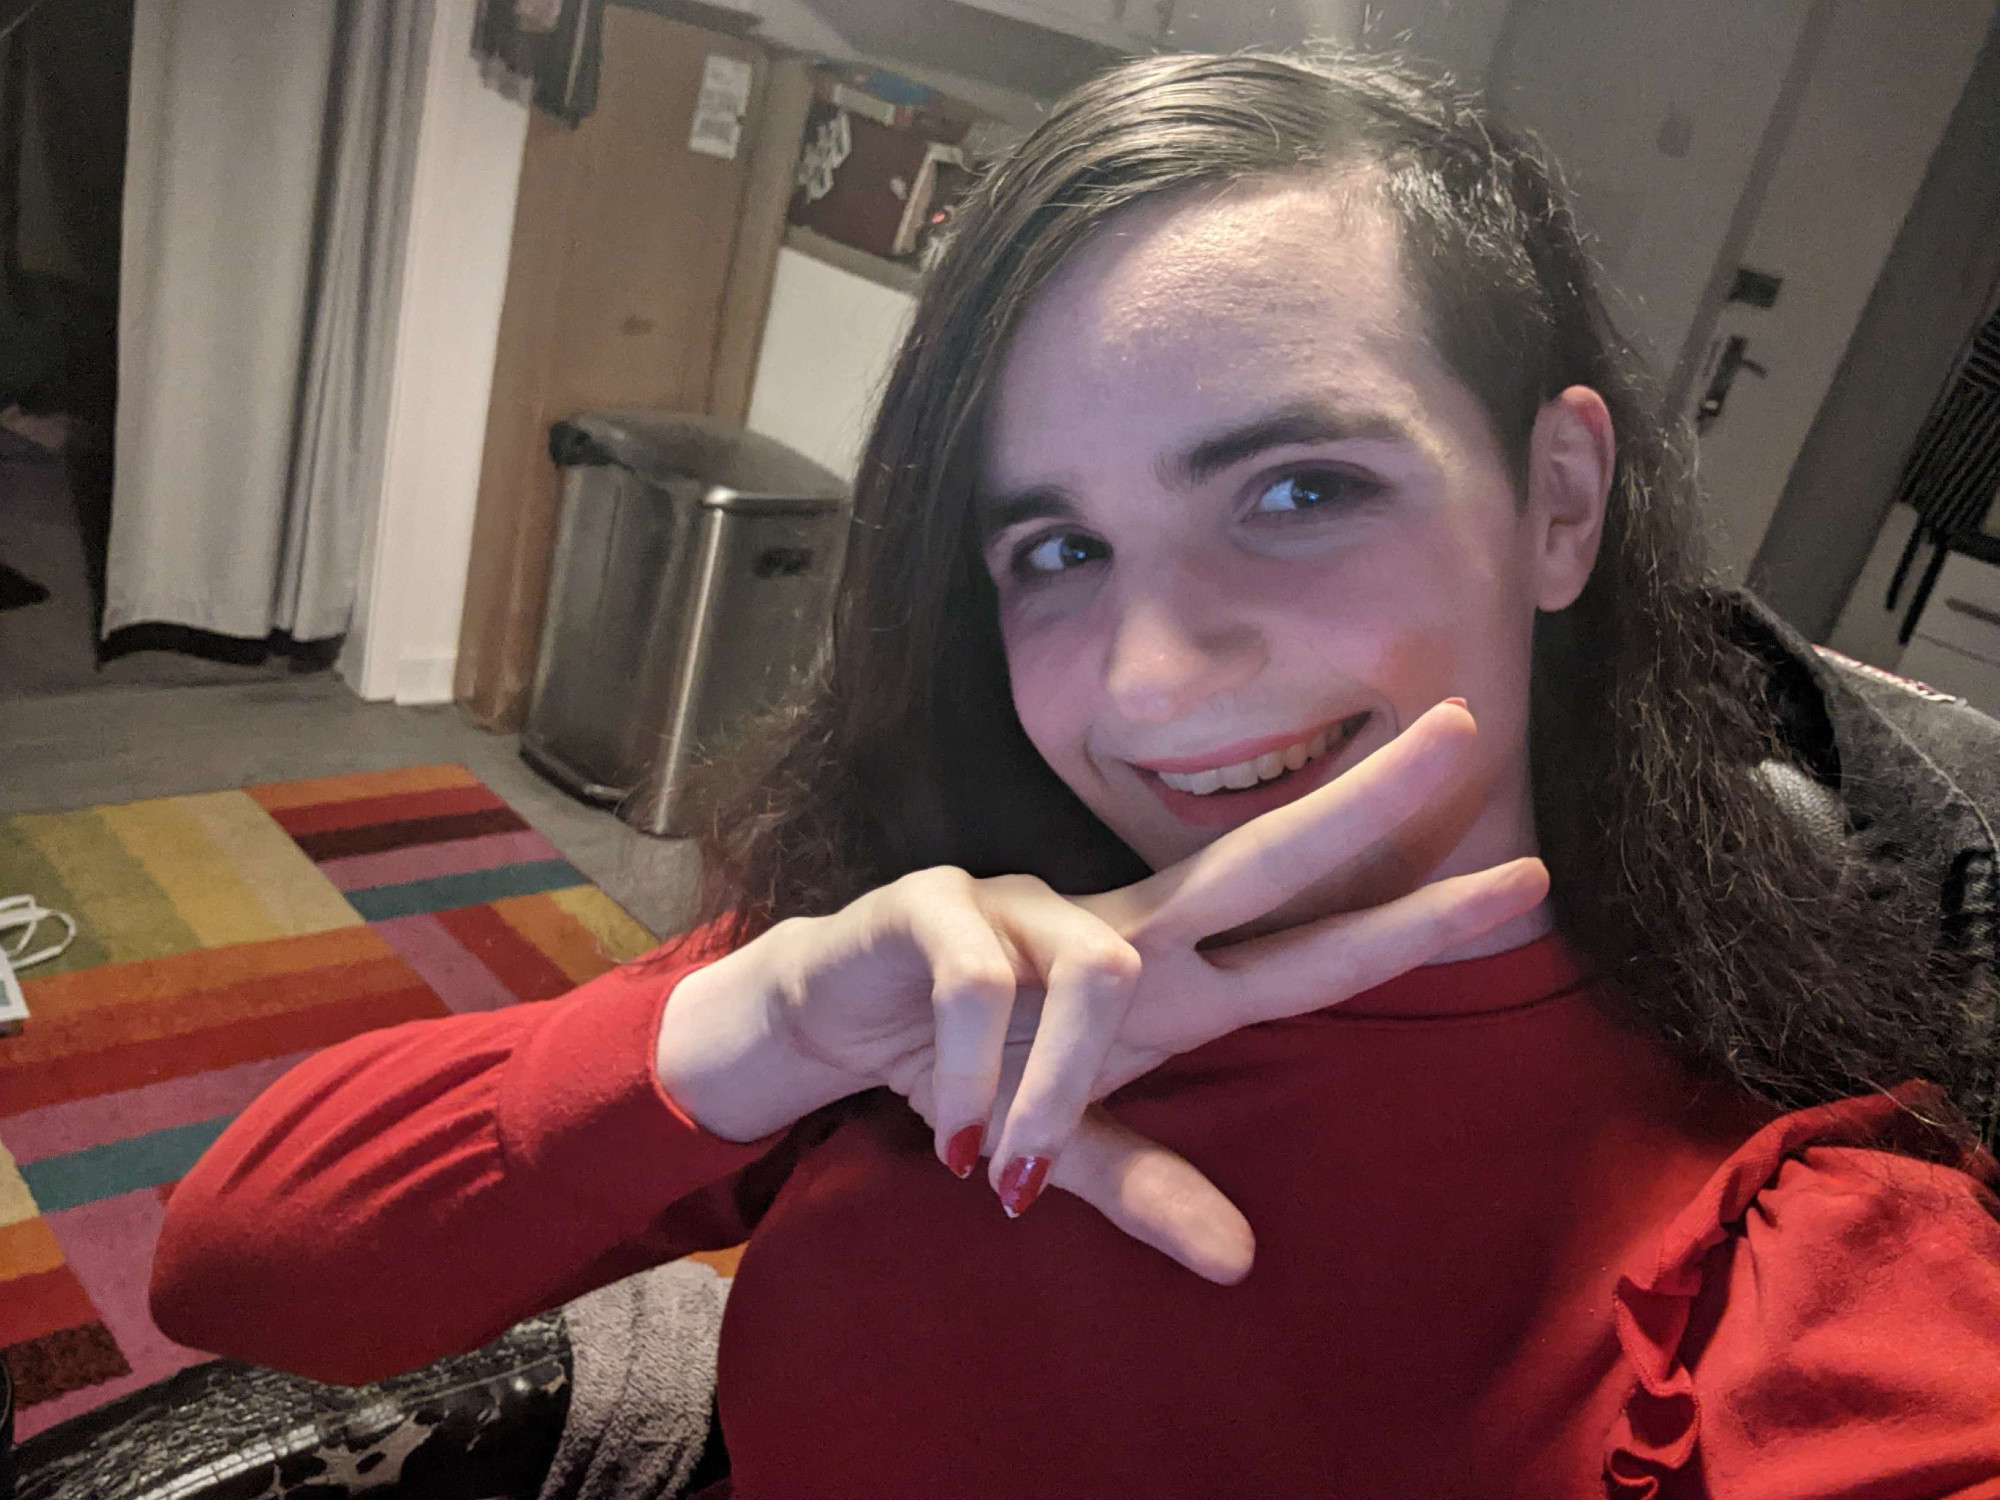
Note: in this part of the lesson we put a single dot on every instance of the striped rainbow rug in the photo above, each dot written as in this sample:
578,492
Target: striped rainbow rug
222,938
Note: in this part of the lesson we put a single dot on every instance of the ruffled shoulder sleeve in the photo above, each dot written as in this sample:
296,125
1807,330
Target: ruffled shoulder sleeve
1823,1319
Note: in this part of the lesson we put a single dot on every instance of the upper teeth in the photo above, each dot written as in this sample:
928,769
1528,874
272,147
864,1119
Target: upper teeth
1265,767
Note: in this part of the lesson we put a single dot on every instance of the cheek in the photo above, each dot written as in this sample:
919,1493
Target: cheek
1414,619
1392,618
1416,662
1463,628
1046,670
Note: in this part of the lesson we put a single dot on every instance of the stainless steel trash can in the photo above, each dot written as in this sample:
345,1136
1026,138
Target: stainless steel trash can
692,588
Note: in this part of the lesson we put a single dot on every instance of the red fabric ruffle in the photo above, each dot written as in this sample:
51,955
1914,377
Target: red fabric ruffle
1656,1433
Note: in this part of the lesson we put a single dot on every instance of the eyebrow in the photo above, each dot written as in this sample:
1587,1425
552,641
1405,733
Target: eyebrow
1291,426
1288,427
994,514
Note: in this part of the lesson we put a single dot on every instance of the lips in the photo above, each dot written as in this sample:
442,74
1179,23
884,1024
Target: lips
1228,806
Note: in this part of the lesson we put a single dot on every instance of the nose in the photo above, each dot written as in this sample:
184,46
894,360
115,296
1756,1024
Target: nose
1173,647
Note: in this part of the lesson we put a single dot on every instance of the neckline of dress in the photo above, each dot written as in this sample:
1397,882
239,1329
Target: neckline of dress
1544,969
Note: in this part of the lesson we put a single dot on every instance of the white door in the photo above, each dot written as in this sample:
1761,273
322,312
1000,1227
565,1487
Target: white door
1875,104
1655,112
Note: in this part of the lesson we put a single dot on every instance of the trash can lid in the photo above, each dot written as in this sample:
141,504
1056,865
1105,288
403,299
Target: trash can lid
661,447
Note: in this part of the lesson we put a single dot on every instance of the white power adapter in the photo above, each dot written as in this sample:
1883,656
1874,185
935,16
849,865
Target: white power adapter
28,914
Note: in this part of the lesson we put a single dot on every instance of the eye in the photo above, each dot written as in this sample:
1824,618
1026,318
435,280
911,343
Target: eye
1313,489
1057,552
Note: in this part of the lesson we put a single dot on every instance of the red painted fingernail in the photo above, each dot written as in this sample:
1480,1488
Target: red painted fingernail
1021,1183
961,1152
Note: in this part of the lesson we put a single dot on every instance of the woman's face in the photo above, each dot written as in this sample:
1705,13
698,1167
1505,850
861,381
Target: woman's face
1245,524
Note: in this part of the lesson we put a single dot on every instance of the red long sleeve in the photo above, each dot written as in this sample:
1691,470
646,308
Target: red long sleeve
1880,1380
1823,1319
1505,1249
417,1190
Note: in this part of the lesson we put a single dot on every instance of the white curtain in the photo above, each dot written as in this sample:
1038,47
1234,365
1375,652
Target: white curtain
267,182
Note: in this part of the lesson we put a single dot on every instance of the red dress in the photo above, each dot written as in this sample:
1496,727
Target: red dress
1504,1249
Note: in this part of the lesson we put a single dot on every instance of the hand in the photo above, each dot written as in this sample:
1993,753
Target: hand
1002,1010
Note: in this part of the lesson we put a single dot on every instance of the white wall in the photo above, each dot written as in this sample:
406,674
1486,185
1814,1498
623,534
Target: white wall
403,641
1655,111
1458,35
1227,25
828,342
1874,109
1658,112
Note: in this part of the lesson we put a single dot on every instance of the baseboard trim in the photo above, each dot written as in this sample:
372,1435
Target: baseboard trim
425,679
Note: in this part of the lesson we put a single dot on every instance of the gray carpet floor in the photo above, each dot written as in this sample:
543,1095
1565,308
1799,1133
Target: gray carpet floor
50,647
121,743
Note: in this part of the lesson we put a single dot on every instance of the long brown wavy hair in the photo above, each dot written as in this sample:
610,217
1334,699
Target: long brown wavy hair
1756,953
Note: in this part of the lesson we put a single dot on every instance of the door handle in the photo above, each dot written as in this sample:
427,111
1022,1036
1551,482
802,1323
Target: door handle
1733,359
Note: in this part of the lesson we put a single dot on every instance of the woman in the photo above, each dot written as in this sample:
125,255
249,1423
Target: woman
1266,543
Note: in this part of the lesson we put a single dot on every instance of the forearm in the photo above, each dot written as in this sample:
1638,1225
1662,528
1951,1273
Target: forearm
414,1191
723,1058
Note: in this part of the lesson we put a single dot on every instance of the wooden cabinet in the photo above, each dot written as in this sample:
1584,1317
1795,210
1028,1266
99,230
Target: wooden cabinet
638,277
1957,644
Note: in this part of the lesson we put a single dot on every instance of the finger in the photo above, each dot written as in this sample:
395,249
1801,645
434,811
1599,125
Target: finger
1253,869
1319,964
1158,1197
1089,976
972,996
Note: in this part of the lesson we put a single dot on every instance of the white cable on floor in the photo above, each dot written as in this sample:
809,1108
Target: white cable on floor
28,914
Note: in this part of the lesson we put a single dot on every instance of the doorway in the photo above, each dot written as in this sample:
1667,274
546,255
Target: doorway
1744,171
65,90
1833,544
64,80
1790,291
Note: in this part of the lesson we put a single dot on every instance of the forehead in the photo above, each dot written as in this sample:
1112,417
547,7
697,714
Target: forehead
1203,307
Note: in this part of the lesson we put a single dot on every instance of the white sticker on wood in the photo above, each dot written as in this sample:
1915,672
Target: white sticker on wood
719,111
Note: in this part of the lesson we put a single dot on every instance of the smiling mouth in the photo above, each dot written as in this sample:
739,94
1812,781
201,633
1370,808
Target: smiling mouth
1272,766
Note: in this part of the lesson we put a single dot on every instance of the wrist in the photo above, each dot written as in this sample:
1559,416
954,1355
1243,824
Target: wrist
721,1058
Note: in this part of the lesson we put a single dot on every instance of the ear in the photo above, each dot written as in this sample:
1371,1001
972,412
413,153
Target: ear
1571,457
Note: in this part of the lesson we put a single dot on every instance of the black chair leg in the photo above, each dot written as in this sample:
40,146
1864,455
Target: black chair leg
6,1433
1923,594
1903,563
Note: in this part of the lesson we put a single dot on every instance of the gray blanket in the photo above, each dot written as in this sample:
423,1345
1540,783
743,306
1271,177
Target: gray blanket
643,1385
